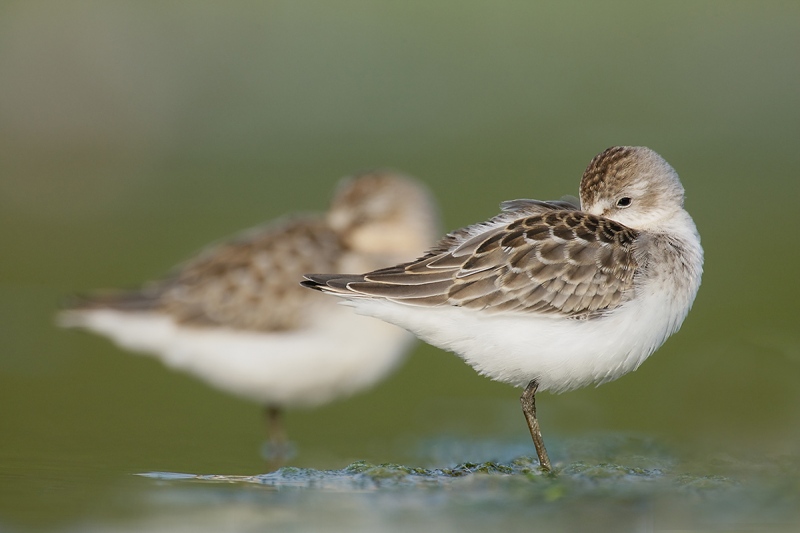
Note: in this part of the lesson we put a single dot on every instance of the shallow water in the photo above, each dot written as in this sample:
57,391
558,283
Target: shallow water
620,483
133,134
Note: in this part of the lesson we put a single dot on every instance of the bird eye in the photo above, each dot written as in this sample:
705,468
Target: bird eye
625,201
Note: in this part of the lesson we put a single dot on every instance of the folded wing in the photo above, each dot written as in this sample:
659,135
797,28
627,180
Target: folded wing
538,257
248,283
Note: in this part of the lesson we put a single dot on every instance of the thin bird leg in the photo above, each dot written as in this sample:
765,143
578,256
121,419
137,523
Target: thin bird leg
528,402
275,429
277,449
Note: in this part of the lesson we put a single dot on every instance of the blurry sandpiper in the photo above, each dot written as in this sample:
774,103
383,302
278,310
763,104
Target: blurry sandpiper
551,295
236,316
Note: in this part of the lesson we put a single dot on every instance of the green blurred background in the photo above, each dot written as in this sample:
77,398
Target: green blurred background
133,133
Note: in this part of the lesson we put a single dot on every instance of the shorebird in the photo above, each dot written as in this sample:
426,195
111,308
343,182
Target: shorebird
236,317
551,295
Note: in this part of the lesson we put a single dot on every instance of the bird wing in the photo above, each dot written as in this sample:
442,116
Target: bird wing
248,283
553,259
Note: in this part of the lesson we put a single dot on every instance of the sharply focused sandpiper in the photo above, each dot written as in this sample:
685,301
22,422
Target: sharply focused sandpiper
236,316
551,295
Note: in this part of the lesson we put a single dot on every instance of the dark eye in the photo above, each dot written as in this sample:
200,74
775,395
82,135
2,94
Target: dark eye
625,201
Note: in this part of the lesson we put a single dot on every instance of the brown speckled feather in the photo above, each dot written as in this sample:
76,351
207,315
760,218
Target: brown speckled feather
551,258
247,283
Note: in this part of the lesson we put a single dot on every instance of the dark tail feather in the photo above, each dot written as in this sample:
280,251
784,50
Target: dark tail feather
335,283
136,300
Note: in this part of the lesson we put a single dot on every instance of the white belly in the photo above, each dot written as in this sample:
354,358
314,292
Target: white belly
561,354
342,353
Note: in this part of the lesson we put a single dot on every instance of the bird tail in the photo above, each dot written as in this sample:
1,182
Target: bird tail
337,284
75,308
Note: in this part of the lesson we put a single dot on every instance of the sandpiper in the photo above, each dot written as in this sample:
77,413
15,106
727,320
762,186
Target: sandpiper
551,295
236,317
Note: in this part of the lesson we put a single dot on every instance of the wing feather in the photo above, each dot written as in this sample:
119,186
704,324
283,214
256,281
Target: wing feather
549,259
249,282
